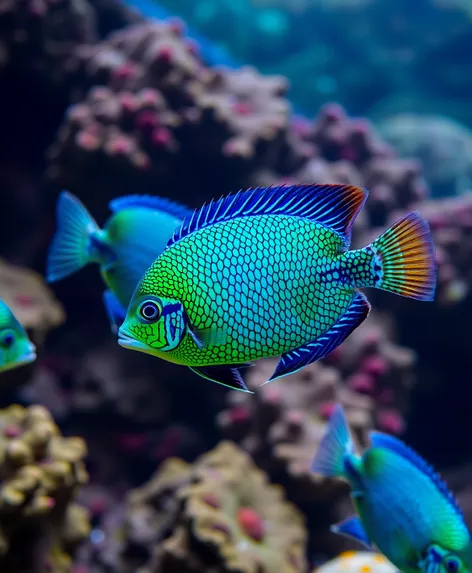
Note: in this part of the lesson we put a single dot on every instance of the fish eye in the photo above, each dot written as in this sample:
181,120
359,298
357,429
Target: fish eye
150,311
7,339
452,565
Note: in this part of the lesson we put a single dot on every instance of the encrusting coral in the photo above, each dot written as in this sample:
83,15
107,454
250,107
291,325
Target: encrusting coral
358,562
41,471
220,514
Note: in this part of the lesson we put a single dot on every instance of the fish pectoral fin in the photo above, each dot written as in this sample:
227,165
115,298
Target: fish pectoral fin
296,359
115,310
352,528
224,375
207,337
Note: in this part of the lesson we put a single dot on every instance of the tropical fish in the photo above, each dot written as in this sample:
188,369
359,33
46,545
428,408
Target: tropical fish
132,238
267,272
16,349
404,507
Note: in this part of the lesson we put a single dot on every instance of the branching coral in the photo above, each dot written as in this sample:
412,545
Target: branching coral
41,471
222,515
358,562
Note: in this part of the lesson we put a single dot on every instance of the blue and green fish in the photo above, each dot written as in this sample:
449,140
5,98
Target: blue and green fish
403,506
267,272
132,238
16,349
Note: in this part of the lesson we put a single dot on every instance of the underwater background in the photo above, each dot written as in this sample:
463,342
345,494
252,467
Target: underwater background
150,468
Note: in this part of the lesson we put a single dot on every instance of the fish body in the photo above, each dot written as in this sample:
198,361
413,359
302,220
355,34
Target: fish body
16,349
267,272
131,239
404,507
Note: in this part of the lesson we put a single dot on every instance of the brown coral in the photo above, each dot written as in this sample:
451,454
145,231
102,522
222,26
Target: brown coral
228,518
25,292
41,472
394,184
166,118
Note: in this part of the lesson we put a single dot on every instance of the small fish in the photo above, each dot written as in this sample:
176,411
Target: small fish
16,349
267,272
404,507
132,238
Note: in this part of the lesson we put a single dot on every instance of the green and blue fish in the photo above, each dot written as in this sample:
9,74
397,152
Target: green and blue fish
403,506
267,272
133,236
16,349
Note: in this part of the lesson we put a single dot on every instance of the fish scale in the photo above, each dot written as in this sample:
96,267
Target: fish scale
253,303
267,272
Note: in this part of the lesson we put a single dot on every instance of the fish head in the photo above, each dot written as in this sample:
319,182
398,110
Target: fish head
438,559
16,348
153,324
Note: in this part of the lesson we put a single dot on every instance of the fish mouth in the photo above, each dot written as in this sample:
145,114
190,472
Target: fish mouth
30,356
127,341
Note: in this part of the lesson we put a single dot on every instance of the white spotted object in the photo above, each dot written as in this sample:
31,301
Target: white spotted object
358,562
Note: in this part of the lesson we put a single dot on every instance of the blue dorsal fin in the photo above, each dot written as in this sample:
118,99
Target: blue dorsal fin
150,202
380,440
335,206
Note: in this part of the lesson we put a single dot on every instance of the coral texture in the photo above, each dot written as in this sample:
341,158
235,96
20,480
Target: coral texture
41,472
222,515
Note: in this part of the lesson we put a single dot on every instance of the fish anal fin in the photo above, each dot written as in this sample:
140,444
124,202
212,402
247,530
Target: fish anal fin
224,375
335,206
296,359
353,529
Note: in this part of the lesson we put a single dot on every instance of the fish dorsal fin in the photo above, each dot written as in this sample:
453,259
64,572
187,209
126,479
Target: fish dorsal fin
380,440
334,206
150,202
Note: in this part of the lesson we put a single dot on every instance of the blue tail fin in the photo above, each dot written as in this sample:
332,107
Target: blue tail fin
69,249
335,445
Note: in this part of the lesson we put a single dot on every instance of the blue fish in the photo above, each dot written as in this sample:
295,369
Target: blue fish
132,238
403,506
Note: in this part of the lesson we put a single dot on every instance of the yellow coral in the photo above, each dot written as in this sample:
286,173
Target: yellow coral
40,472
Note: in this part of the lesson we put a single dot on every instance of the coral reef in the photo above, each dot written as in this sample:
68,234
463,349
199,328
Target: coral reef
358,562
161,110
222,515
451,223
148,115
41,472
443,147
